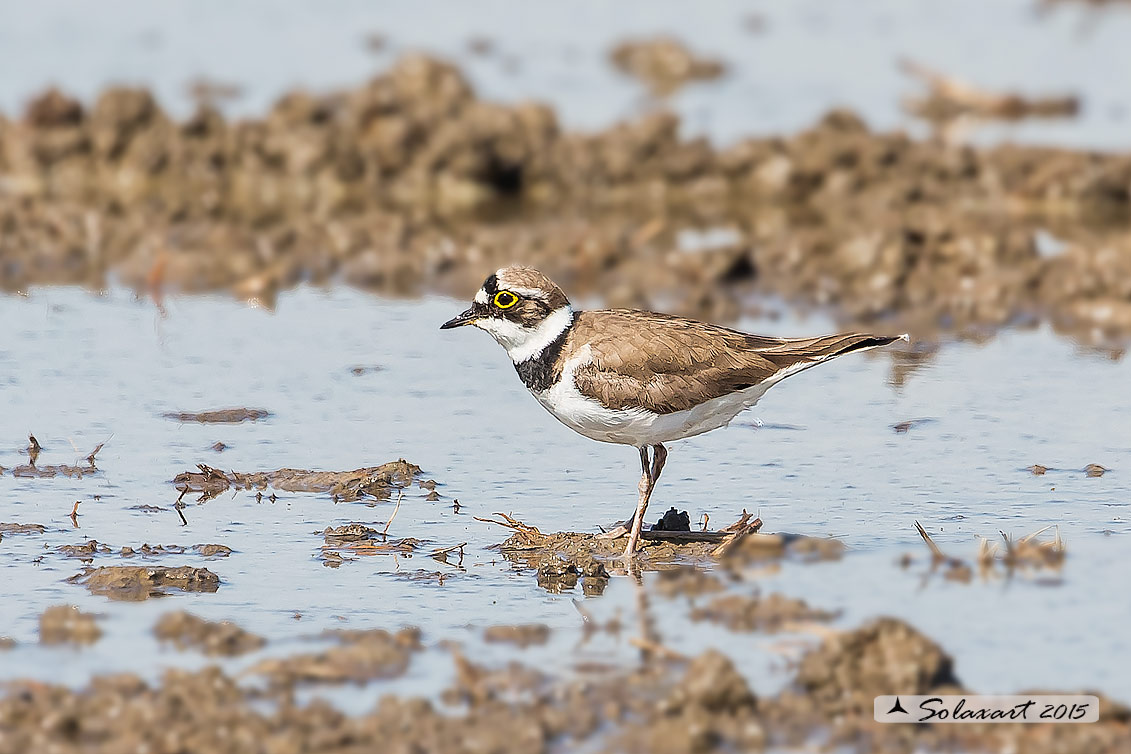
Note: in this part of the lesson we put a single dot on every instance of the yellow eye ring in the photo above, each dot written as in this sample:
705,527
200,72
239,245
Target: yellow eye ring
505,299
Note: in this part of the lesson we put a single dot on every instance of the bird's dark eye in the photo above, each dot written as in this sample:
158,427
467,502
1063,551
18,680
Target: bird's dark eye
505,299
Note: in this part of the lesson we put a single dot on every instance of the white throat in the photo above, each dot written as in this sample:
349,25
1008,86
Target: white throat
524,343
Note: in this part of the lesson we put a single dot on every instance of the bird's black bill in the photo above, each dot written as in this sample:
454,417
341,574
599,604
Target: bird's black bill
466,318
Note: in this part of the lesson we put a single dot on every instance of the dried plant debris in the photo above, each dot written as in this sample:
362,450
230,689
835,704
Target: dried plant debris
374,481
1094,470
142,582
770,614
1011,556
522,635
214,638
66,624
221,416
663,64
949,98
13,528
360,657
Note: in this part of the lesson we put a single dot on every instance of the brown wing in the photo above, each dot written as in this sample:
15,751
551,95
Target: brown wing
666,364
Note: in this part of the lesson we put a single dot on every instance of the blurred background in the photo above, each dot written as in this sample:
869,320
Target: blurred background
229,233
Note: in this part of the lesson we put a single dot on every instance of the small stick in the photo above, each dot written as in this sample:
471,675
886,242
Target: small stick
385,531
936,553
511,523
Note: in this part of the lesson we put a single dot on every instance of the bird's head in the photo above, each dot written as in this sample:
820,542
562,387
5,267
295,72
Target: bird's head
521,308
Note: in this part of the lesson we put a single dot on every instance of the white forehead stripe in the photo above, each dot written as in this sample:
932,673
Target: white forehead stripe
481,297
537,293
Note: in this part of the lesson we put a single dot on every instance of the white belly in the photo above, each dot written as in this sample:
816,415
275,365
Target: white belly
638,427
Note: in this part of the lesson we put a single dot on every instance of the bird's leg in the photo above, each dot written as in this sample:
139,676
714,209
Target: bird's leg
647,483
626,526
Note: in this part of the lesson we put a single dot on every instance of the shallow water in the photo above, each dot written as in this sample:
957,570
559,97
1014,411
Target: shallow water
80,368
809,56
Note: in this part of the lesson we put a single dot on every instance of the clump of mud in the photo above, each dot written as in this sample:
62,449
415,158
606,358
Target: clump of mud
143,582
663,64
13,528
66,624
374,481
772,613
521,635
221,416
848,670
361,656
223,638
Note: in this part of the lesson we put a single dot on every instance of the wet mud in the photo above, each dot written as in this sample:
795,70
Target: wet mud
702,704
663,64
222,416
136,583
217,638
410,183
66,624
360,656
376,482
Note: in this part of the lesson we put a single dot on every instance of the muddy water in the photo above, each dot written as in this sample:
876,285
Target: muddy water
80,368
800,59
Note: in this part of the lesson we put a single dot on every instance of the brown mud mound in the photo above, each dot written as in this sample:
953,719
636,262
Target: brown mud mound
521,635
213,550
410,183
142,582
775,612
375,481
222,638
847,671
704,705
362,656
832,699
561,560
663,64
221,416
21,528
66,624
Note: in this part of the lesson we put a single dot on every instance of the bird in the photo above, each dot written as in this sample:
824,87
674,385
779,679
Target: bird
634,377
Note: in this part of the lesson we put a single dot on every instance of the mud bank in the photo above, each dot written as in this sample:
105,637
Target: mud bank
411,184
702,705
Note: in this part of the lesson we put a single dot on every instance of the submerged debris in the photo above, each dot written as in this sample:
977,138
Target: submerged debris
66,624
374,481
143,582
221,416
210,637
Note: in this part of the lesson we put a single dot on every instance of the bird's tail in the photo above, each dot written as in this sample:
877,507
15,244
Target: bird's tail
797,354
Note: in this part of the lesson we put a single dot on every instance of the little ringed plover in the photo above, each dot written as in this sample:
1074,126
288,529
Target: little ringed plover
633,377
